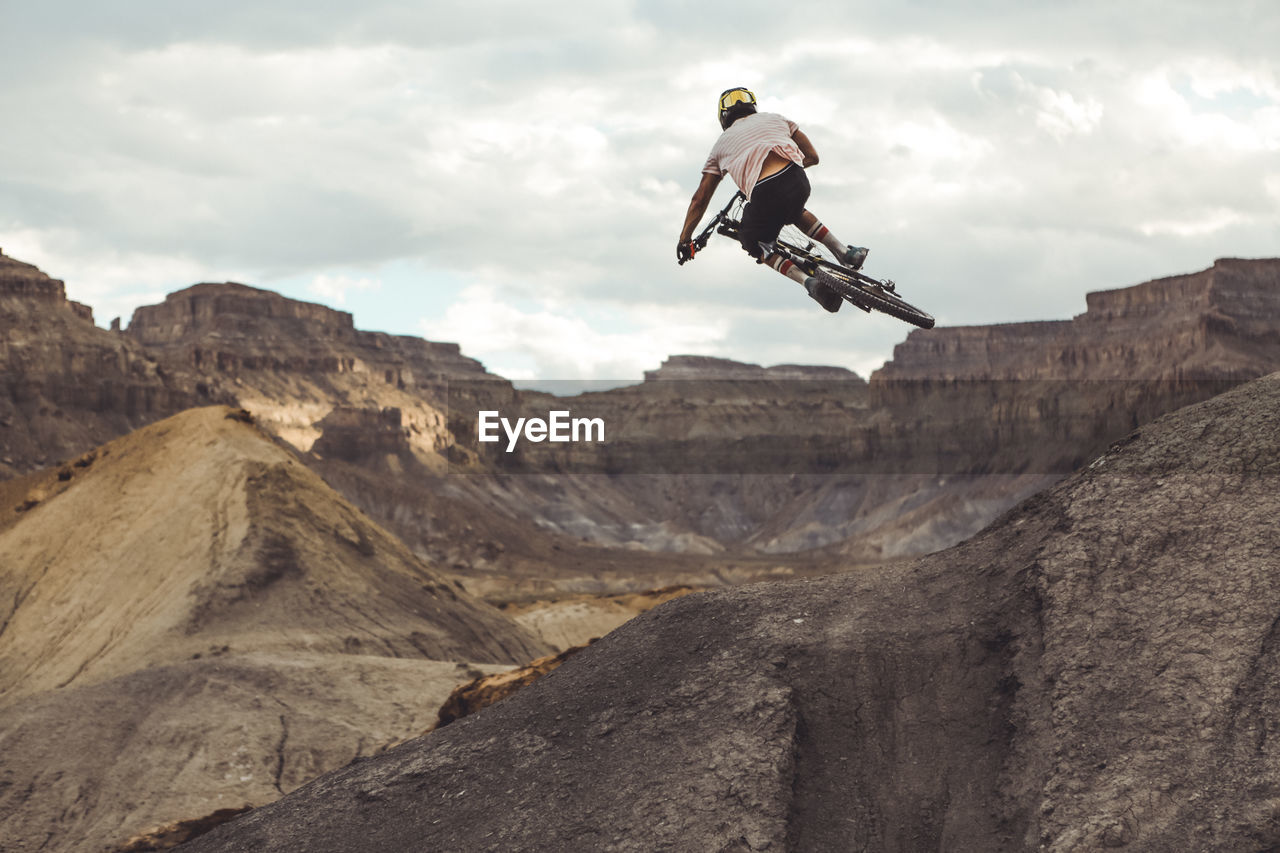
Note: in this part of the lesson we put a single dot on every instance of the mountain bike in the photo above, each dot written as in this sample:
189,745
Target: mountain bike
857,288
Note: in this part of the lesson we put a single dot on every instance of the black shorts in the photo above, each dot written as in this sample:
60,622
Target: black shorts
776,201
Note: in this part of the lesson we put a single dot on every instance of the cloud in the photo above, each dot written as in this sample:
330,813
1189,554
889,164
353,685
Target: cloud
334,288
1000,162
557,344
111,280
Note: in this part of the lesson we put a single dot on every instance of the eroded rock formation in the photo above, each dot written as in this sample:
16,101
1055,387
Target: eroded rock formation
232,327
707,456
65,384
1094,670
1216,323
959,425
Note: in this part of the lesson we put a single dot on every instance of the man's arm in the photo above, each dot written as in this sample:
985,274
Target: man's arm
806,148
698,205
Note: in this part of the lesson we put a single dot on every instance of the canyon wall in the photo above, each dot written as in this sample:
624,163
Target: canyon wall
65,384
958,426
1216,323
233,327
705,454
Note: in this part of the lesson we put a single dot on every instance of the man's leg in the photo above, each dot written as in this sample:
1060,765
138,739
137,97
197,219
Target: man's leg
761,226
774,204
785,267
845,253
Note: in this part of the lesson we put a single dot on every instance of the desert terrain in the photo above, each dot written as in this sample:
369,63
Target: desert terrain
1012,591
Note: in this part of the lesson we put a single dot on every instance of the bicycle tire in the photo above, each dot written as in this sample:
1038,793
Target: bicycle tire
874,296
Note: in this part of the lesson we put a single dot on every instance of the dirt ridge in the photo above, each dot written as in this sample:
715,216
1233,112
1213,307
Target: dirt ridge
1072,678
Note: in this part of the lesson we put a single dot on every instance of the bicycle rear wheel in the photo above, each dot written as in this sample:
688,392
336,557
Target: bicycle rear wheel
867,293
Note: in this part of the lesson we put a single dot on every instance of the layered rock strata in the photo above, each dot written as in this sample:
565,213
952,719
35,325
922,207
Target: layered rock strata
702,368
65,384
961,423
1219,323
232,327
706,455
303,368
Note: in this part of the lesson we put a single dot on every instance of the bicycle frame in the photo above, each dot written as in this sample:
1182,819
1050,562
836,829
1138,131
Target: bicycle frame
722,217
805,258
854,286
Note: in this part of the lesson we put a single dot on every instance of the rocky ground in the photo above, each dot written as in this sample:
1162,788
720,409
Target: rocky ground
1095,670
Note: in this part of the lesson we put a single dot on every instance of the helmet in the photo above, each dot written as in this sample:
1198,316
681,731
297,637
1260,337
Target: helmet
734,104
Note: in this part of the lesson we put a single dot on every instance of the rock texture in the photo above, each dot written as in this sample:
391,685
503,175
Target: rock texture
1217,323
576,620
294,364
369,411
190,619
1095,670
239,328
171,835
191,613
957,427
65,384
701,367
485,690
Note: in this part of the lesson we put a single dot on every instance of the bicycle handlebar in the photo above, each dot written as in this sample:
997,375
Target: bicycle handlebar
699,243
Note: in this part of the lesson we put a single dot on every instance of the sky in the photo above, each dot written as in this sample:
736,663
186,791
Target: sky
513,176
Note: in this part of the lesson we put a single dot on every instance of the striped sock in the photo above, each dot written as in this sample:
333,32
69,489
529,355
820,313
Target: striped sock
787,268
820,233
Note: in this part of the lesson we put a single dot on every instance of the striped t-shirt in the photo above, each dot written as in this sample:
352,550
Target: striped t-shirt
741,150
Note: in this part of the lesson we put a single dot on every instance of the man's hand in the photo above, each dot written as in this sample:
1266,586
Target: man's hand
684,251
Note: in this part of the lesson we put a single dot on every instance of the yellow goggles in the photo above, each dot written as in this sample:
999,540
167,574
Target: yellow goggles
736,96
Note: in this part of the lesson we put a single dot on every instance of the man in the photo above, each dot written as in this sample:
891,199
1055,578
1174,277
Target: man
766,156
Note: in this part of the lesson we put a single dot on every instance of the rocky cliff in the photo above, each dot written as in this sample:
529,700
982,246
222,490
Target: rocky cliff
65,384
957,427
706,455
701,367
295,363
371,412
1214,324
1096,670
232,328
963,422
1048,396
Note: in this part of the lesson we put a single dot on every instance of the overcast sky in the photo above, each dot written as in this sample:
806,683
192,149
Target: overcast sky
513,176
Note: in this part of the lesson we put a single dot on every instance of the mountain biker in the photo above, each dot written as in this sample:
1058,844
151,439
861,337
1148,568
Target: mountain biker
766,156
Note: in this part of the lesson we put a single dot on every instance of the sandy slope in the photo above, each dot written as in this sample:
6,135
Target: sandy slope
190,618
576,620
199,532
